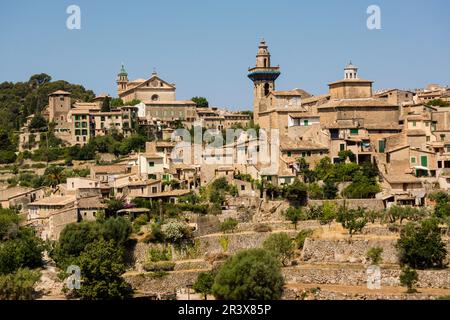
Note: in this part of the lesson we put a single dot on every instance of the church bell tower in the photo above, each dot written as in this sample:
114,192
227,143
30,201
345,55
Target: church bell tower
122,80
263,76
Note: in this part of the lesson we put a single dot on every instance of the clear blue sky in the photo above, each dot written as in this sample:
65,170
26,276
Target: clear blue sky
205,47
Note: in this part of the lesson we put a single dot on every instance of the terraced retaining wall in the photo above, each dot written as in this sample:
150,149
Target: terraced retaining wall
357,276
349,250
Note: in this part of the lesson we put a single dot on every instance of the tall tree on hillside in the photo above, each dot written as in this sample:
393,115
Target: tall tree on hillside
38,80
201,102
106,104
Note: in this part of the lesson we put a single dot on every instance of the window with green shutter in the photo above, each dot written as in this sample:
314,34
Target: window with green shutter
381,146
413,160
424,161
354,131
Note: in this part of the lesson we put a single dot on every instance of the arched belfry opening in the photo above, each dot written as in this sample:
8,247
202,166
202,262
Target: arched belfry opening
266,89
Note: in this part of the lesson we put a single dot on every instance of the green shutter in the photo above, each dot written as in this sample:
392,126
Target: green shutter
381,146
424,161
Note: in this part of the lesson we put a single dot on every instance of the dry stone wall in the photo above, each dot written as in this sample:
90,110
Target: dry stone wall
350,250
346,250
148,283
357,276
369,204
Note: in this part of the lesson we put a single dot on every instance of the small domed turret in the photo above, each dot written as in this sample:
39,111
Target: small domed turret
350,72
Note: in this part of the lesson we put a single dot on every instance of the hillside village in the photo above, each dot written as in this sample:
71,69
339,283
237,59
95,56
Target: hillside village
344,173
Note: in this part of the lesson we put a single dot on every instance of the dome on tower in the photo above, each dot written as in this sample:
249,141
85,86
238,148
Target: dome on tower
122,71
351,72
350,66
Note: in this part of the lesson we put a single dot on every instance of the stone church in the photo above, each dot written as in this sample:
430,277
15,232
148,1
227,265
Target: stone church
158,95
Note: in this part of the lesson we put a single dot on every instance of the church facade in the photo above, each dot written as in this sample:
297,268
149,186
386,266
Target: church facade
159,97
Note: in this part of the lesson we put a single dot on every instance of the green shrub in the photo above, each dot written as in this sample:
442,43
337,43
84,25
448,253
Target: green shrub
421,246
301,237
229,225
176,232
75,237
374,255
139,222
156,254
224,242
409,278
18,285
24,250
215,209
156,235
252,274
328,213
102,265
281,246
295,215
353,220
204,283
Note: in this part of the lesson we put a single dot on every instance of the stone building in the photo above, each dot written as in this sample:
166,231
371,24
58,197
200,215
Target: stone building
159,97
396,96
87,121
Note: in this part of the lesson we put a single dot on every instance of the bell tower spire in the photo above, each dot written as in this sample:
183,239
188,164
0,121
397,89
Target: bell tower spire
263,76
122,80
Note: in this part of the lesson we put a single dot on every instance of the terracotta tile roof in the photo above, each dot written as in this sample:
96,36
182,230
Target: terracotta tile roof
289,144
396,148
109,169
59,92
152,155
303,115
54,201
173,193
138,183
366,102
350,81
316,98
90,203
401,178
294,93
175,102
166,143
